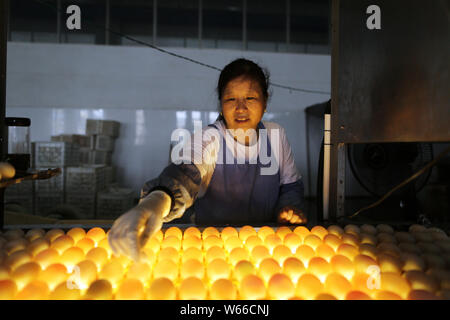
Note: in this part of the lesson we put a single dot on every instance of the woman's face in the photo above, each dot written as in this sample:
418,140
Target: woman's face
243,103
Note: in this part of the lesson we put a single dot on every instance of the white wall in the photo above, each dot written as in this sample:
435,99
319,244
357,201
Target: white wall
59,86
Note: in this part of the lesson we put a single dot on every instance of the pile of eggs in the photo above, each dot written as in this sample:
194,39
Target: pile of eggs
353,262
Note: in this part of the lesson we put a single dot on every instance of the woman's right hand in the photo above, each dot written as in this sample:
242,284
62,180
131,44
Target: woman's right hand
131,231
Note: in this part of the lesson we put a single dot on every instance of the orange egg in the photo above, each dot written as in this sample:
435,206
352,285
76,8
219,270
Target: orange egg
419,280
412,262
252,242
362,263
292,241
368,238
71,257
124,261
389,248
335,230
158,236
100,289
264,231
96,234
350,238
245,232
267,268
166,269
25,273
192,289
308,287
8,289
47,257
83,275
192,268
357,295
304,253
232,242
153,244
367,283
325,296
302,231
337,285
312,240
223,289
252,288
352,229
140,271
242,269
217,269
15,245
113,271
192,241
422,295
342,265
390,263
395,283
281,253
368,250
347,250
283,231
319,267
34,234
271,241
293,268
4,272
169,253
195,253
173,232
210,231
62,243
280,287
63,292
37,246
214,253
259,253
325,251
85,244
387,295
105,245
228,232
211,241
53,234
171,241
130,289
77,234
54,274
238,254
192,231
162,289
98,255
319,231
35,290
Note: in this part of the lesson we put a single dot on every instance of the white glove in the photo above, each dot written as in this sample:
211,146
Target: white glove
131,230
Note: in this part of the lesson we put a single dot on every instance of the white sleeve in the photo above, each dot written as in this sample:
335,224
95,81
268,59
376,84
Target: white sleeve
288,170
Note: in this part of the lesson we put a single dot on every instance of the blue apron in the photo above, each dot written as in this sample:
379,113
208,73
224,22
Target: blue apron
238,193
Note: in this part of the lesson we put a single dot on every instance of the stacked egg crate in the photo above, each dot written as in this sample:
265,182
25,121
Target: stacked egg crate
102,135
113,202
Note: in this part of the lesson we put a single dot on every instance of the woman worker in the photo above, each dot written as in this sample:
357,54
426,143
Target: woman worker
228,184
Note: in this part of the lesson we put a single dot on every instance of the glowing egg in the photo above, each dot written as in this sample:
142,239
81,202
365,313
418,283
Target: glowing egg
347,250
77,234
367,283
368,239
395,283
283,231
368,229
140,271
319,231
47,257
223,289
302,232
308,287
173,232
105,245
259,253
350,238
246,231
335,230
389,248
238,254
387,295
100,290
71,257
85,244
169,253
232,242
304,253
192,268
216,269
228,232
153,244
34,234
386,237
171,241
293,268
13,234
281,253
25,273
325,251
313,241
15,245
35,290
252,288
166,269
215,252
192,241
242,269
210,231
98,255
271,241
8,289
264,231
342,265
62,243
192,231
419,280
53,234
385,228
368,250
325,296
337,285
96,234
84,274
211,241
412,262
422,295
158,236
363,263
162,289
292,241
332,240
4,272
113,271
401,236
319,267
267,268
389,263
357,295
252,241
195,253
280,287
192,289
37,246
352,229
54,274
130,289
63,292
124,261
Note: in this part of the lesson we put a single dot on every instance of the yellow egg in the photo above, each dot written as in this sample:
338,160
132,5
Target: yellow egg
166,269
13,234
53,234
173,232
211,241
395,283
83,275
357,295
367,283
96,234
217,269
214,253
25,273
113,271
140,271
389,248
47,257
192,241
325,296
368,229
105,245
62,243
312,240
412,262
347,250
8,289
153,244
100,290
85,244
351,238
228,232
77,234
15,245
169,253
63,292
192,289
242,269
130,289
71,257
223,289
319,267
337,285
259,253
54,274
232,242
246,231
387,295
253,241
302,232
210,231
238,254
99,256
267,268
419,280
252,288
304,253
162,289
35,290
192,231
264,231
352,229
283,231
7,170
308,287
195,253
363,263
422,295
280,287
34,234
4,272
332,240
171,241
281,253
158,236
368,239
390,263
192,268
319,231
342,265
292,241
37,246
293,268
335,230
368,250
325,251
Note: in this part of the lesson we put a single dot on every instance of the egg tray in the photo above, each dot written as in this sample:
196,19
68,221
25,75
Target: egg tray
350,262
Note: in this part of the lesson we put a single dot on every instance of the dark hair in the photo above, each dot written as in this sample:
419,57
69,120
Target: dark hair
246,68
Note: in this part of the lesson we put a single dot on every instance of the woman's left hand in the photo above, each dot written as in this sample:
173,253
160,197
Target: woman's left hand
292,215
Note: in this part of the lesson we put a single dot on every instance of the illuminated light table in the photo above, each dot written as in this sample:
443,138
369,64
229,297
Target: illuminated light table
345,263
